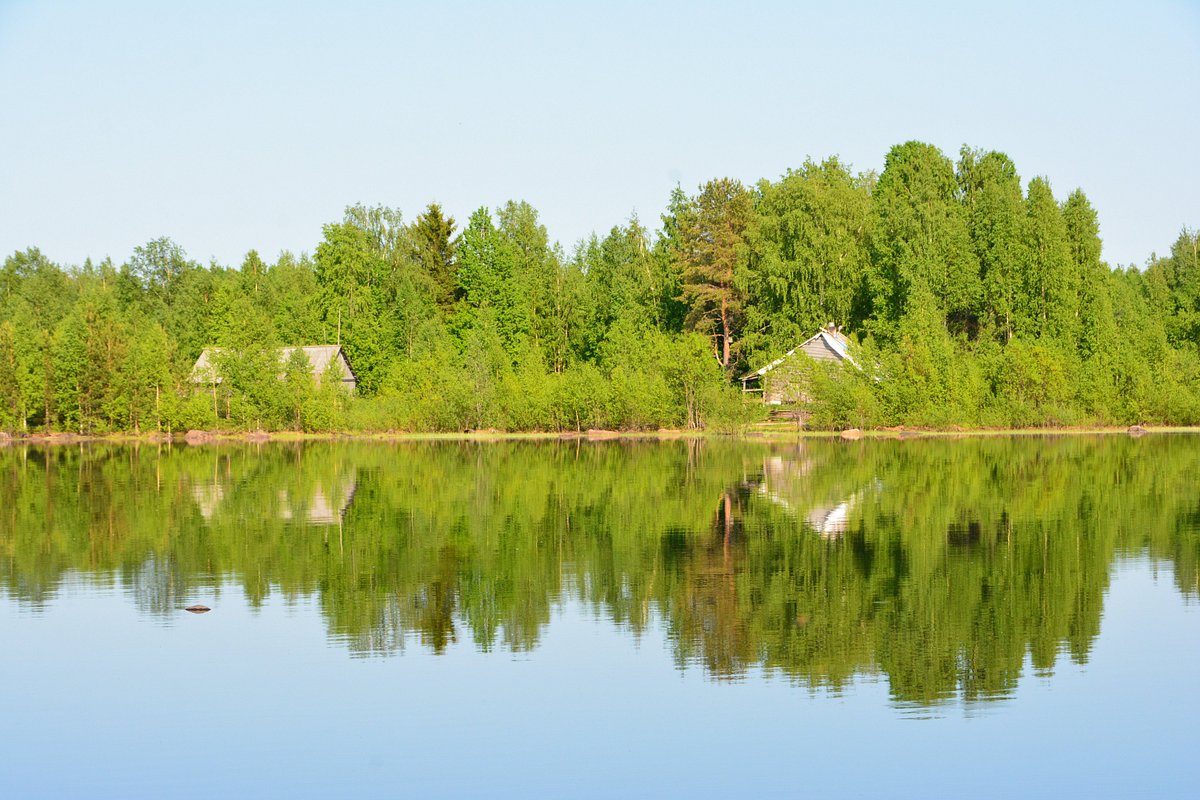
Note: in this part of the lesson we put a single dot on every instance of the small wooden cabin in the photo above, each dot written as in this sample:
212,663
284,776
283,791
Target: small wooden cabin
779,382
319,356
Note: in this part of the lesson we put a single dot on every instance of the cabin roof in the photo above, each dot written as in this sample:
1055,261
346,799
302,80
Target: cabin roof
833,339
318,355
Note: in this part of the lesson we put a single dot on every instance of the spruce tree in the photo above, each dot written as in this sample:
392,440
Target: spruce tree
434,242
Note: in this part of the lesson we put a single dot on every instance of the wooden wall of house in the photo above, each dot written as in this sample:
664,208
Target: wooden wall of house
785,384
347,376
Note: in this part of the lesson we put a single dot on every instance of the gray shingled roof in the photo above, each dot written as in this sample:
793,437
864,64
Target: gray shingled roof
319,356
834,340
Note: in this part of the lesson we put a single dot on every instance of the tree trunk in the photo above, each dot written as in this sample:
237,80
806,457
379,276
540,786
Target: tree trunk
724,334
728,509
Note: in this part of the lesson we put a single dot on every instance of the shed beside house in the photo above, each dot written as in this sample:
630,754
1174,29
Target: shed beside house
205,371
779,382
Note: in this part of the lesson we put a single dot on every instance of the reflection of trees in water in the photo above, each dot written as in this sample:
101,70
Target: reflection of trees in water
704,609
940,564
930,580
153,585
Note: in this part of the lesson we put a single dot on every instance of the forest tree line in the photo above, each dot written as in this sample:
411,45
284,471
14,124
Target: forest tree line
974,299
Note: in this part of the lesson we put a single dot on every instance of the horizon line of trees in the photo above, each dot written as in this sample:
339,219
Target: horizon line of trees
976,300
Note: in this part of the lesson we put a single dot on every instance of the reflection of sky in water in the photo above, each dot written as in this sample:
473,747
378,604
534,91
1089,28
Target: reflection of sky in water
262,702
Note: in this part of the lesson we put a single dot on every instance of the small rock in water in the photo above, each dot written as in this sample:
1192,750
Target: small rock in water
852,433
198,609
1135,430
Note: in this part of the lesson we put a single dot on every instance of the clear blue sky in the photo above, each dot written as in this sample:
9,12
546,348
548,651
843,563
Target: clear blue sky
238,125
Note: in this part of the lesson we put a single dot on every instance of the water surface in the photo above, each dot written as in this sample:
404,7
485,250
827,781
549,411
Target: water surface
923,618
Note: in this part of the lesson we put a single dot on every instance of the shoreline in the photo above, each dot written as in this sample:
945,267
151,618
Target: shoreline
754,433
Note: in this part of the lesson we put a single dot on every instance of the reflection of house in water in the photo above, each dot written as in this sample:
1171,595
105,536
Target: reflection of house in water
788,483
322,508
208,497
833,522
325,503
783,479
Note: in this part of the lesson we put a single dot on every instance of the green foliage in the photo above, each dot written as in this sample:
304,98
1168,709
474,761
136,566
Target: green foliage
997,221
626,287
842,397
920,240
158,266
640,366
1033,384
925,379
74,395
1049,304
325,409
349,301
298,386
10,388
807,255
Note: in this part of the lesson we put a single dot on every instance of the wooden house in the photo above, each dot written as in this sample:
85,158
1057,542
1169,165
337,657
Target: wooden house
205,371
782,381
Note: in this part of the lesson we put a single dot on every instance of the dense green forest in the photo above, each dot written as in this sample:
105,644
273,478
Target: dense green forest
942,564
976,300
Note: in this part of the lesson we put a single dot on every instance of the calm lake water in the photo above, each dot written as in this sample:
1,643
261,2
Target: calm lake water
919,618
